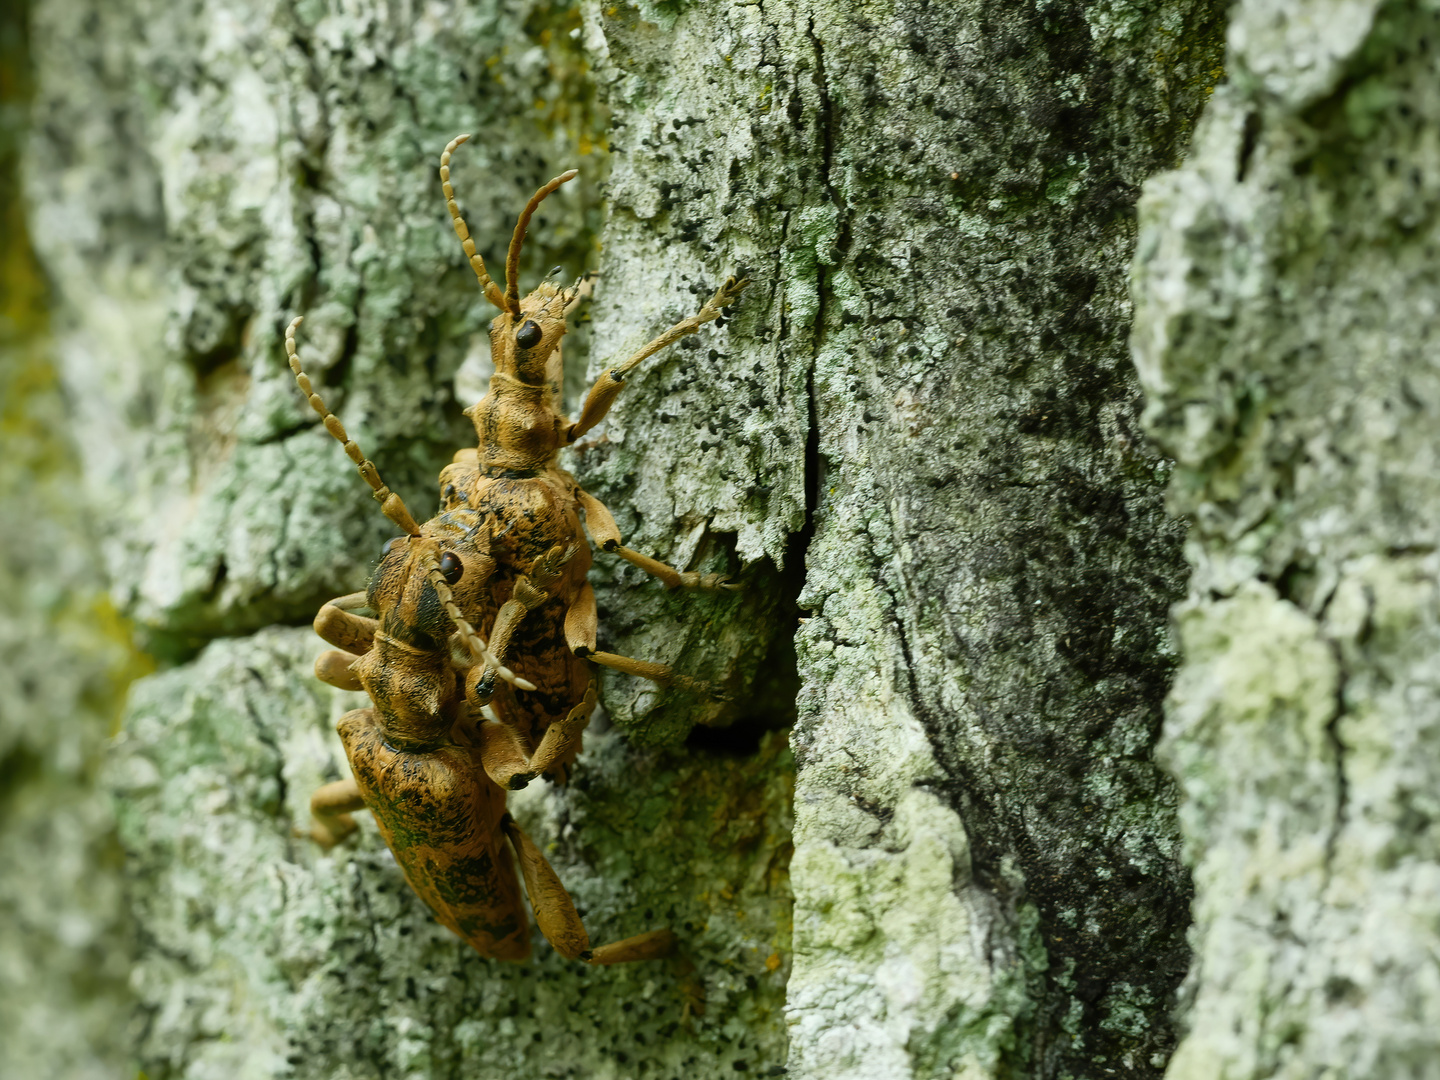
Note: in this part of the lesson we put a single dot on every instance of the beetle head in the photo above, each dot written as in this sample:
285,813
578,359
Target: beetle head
527,346
418,576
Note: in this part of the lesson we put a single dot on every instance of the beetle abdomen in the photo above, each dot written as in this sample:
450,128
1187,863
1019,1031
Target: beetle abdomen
440,815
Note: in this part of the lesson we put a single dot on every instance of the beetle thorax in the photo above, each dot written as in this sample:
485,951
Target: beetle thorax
517,426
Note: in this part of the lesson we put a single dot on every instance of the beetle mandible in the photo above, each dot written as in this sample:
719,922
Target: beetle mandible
456,720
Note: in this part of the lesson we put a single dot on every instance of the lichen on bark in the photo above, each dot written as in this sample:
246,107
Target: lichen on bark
1284,318
986,872
321,964
65,657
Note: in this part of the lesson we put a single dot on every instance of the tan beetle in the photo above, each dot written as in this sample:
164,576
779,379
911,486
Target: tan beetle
456,720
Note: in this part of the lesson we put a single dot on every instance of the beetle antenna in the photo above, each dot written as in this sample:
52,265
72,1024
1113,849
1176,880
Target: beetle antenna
390,503
517,241
474,643
491,290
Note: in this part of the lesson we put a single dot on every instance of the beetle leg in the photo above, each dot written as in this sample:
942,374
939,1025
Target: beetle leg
663,674
672,578
607,388
531,591
607,534
333,667
331,806
648,946
503,757
343,629
554,910
580,623
557,918
562,738
502,753
507,621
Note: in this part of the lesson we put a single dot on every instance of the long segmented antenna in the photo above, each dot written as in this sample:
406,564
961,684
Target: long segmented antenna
473,641
491,290
517,240
390,503
509,300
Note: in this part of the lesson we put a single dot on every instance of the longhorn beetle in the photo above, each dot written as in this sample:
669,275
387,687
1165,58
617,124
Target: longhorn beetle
456,720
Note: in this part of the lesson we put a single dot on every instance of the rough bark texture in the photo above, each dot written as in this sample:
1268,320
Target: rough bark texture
1286,331
923,413
986,872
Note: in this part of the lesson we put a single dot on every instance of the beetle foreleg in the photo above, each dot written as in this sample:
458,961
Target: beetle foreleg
531,591
607,388
344,629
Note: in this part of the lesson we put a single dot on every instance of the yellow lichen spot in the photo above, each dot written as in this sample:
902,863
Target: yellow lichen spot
772,962
611,11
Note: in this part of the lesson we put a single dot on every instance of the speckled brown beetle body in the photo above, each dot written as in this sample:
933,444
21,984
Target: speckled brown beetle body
455,720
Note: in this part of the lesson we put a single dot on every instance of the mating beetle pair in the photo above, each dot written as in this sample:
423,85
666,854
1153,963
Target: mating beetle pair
458,719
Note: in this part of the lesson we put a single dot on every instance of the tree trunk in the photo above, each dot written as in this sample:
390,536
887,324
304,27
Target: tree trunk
919,433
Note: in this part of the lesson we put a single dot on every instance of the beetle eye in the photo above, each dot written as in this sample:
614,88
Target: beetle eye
451,568
529,335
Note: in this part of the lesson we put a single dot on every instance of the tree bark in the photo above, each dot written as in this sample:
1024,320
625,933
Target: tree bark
1285,329
919,430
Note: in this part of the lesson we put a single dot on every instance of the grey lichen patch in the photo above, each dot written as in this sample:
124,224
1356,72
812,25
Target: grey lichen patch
926,383
735,413
271,955
1284,309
